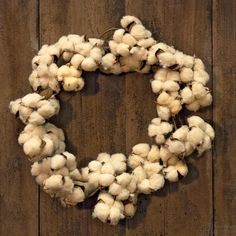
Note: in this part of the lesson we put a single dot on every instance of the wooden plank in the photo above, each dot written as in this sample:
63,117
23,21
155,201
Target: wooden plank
18,42
224,48
94,120
180,207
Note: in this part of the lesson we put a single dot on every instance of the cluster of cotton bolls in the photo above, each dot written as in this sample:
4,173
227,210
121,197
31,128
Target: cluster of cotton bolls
179,81
34,108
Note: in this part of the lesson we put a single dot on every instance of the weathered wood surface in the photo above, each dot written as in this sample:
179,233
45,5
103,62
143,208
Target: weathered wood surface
112,115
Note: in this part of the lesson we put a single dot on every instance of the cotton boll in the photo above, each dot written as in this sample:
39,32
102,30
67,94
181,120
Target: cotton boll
181,133
171,174
186,75
115,189
32,147
199,91
139,173
175,146
196,121
24,113
166,127
115,215
206,100
164,98
146,43
198,64
153,130
119,166
106,198
126,21
96,54
96,42
89,64
132,185
93,179
75,197
141,149
76,60
106,179
107,168
201,76
31,99
166,59
36,119
103,157
75,174
153,154
123,195
156,182
108,60
161,74
54,182
73,84
129,210
123,49
152,168
144,187
57,162
160,139
40,179
138,31
209,131
175,107
84,174
84,48
101,211
118,157
156,86
173,76
135,161
63,171
35,169
195,136
123,179
163,112
188,61
206,145
170,86
187,95
129,40
165,154
15,105
193,106
118,35
119,205
95,166
182,168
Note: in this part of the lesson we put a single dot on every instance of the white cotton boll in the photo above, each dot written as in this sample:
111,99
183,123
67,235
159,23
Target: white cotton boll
139,173
206,145
123,179
40,179
188,148
107,168
166,59
156,121
181,133
101,211
115,189
15,105
199,91
115,215
84,174
75,197
129,210
187,95
161,75
119,205
89,64
206,100
152,168
165,154
138,31
129,40
170,86
123,49
57,162
151,58
108,60
175,146
146,43
163,112
141,149
54,182
118,35
175,107
106,179
46,109
182,168
76,60
76,38
135,161
156,182
186,75
209,131
153,154
119,166
42,70
201,76
32,147
118,157
164,98
70,160
35,118
160,138
93,179
75,174
35,169
24,113
126,21
156,86
113,46
23,137
96,42
153,130
73,84
196,121
188,61
166,127
171,174
116,69
123,195
106,197
103,157
173,76
96,54
198,64
193,106
83,48
95,166
132,185
144,187
31,99
195,136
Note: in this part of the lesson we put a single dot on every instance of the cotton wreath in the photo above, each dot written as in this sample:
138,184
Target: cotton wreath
179,82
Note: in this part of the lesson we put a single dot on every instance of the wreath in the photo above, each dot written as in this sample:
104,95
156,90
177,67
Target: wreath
179,81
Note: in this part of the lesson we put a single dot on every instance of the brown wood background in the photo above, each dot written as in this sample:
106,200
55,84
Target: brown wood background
112,114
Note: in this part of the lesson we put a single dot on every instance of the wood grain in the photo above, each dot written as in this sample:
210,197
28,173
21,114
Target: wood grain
112,114
224,88
18,194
